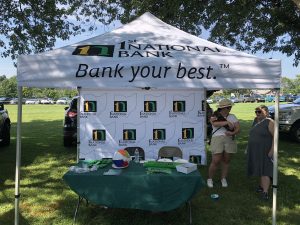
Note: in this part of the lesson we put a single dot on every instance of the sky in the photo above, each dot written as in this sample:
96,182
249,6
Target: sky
288,70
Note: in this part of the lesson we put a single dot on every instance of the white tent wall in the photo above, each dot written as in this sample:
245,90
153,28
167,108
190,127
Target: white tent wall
146,53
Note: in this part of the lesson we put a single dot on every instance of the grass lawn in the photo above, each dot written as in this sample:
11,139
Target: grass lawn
46,199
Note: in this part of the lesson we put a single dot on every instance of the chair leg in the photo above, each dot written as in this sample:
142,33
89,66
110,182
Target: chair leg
76,210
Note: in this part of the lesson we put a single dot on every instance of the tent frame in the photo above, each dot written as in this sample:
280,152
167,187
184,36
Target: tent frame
18,154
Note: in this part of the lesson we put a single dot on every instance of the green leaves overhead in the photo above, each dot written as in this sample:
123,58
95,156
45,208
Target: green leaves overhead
32,26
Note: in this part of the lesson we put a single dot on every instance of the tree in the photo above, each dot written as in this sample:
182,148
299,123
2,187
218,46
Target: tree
2,78
267,25
8,87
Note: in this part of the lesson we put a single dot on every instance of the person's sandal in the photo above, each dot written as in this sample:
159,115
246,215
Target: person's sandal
224,182
210,183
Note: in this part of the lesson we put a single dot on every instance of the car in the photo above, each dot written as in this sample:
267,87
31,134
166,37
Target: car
5,100
63,101
14,101
289,118
259,98
70,124
5,125
32,101
290,98
246,98
282,98
47,101
269,98
234,100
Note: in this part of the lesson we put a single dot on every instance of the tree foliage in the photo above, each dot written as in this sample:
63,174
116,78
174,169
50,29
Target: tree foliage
268,25
8,88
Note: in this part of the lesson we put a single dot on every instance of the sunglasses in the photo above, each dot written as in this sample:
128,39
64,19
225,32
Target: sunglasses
229,107
258,111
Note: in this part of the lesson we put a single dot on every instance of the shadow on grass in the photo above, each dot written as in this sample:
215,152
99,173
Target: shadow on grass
46,199
43,162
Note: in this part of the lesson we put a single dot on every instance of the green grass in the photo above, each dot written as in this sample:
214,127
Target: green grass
46,199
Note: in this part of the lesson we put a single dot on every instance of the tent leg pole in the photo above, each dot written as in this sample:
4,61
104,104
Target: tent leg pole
189,208
76,210
18,156
78,124
275,157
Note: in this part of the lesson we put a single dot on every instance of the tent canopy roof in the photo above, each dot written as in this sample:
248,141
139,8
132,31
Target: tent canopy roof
147,53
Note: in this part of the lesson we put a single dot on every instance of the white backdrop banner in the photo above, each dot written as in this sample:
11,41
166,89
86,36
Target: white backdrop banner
116,119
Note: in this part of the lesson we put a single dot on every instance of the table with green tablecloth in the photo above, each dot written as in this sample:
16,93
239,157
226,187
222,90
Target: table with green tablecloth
135,188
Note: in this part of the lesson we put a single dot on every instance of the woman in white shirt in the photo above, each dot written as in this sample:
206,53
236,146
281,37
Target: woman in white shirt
223,144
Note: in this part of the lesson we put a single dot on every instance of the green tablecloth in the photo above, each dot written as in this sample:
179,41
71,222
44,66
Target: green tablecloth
136,189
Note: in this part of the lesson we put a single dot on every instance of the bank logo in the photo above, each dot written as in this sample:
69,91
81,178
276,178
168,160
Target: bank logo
99,135
120,106
94,50
159,134
178,106
90,106
129,134
188,133
150,106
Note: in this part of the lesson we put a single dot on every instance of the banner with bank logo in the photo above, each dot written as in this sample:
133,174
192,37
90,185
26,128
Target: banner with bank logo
116,119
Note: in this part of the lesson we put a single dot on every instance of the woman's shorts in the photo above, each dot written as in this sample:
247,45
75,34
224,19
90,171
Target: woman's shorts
220,144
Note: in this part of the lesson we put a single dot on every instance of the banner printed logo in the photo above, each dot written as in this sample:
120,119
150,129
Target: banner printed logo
90,106
120,106
150,106
178,109
159,134
187,133
178,106
129,134
94,50
99,135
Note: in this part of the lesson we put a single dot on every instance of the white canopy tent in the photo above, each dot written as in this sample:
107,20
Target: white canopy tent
146,53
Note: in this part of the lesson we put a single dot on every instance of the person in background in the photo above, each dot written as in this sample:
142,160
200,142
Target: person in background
260,150
223,145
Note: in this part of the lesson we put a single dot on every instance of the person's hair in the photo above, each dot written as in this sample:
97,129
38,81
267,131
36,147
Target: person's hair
262,107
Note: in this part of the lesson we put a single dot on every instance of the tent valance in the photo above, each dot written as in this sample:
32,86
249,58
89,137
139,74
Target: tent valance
147,53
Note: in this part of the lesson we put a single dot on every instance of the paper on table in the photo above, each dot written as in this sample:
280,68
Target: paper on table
113,172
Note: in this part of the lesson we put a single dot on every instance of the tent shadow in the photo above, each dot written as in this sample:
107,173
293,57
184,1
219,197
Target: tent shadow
8,218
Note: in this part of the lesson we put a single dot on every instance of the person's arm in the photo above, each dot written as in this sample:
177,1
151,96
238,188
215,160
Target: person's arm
271,130
235,131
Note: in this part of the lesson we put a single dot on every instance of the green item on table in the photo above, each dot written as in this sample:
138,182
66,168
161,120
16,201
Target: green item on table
99,163
155,164
151,170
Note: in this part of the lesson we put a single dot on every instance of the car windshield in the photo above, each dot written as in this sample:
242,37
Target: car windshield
297,101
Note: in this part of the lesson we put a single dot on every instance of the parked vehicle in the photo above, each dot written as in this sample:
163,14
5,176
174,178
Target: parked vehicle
70,124
282,98
47,101
290,98
289,118
246,98
32,101
259,98
234,100
4,126
5,100
14,101
269,98
63,101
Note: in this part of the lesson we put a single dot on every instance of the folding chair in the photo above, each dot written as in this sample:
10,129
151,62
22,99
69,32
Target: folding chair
169,152
131,151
